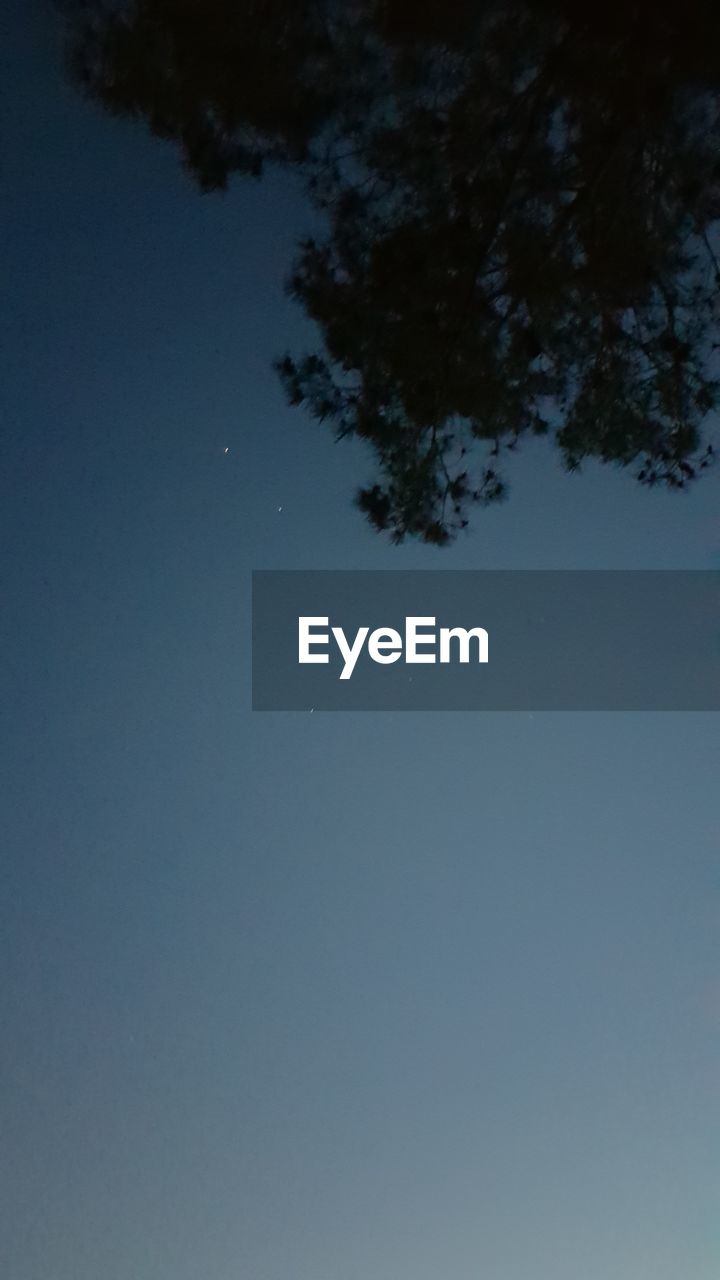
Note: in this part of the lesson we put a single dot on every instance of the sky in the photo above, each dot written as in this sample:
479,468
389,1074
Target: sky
330,997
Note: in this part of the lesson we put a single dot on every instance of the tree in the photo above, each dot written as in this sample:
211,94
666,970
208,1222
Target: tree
520,205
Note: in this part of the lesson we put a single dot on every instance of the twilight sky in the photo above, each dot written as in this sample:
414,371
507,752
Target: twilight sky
351,997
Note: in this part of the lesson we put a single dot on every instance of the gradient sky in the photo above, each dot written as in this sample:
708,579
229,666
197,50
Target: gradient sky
341,997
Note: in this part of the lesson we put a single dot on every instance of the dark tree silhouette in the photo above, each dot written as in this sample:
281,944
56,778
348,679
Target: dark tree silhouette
520,203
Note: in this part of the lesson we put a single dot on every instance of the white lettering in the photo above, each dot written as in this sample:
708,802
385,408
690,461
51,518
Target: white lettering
413,638
463,637
350,655
385,645
305,640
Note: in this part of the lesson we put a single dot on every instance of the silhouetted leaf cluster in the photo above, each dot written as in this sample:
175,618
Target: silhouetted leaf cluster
520,202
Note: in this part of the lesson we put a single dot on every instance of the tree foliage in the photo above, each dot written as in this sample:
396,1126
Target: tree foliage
520,201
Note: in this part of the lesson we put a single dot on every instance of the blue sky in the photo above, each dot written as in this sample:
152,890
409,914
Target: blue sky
379,997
